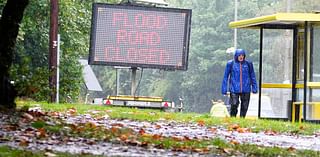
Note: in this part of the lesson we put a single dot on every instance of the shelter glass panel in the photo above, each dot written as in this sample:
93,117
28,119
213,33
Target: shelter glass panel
313,92
277,55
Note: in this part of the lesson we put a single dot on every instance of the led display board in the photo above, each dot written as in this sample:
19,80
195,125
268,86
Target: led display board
137,36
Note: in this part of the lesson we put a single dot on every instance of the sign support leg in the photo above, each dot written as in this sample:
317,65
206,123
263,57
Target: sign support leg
133,80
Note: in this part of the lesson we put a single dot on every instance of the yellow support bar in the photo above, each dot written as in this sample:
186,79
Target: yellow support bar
135,98
276,85
313,85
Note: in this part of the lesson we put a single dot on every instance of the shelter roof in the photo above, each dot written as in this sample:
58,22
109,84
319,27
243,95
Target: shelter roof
277,19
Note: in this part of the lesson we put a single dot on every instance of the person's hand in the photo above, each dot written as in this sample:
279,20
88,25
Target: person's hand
226,94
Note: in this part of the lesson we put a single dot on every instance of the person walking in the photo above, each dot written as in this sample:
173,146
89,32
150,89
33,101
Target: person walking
239,79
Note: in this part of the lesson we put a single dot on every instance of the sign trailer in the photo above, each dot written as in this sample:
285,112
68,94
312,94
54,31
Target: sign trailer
139,36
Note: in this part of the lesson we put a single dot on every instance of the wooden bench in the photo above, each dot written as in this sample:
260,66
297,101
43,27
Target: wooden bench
300,103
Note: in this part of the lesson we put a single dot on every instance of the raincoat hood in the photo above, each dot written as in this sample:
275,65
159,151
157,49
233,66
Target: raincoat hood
239,52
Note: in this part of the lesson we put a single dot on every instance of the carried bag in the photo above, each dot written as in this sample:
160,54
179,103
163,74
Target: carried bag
227,102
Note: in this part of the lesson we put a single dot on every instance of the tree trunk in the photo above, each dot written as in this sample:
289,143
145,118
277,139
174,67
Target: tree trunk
11,17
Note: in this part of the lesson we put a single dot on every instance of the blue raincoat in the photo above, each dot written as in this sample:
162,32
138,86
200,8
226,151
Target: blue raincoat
239,76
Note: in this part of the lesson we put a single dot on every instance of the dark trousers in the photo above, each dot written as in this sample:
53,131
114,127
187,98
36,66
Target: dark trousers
234,102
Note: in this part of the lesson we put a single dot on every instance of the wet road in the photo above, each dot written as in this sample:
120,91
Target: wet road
194,131
164,128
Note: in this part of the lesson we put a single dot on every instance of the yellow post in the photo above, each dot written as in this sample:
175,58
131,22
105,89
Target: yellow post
300,112
293,112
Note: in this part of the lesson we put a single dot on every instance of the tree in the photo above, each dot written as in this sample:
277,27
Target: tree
9,27
30,67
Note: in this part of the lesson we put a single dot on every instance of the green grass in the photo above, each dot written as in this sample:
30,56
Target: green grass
253,150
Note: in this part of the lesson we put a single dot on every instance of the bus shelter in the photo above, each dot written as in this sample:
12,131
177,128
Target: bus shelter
289,64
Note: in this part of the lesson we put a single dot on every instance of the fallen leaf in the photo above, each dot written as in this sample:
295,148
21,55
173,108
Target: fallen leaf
123,137
91,125
114,129
41,133
301,127
176,138
141,132
235,142
132,142
157,126
73,127
213,130
91,142
36,113
117,125
72,111
243,130
144,144
291,149
201,150
197,150
180,149
270,132
27,116
10,127
186,138
156,136
234,126
54,114
23,143
227,150
201,123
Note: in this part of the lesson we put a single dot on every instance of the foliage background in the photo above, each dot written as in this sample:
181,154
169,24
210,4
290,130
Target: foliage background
210,37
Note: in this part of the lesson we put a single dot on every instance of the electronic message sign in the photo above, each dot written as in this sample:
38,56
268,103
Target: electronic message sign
136,36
